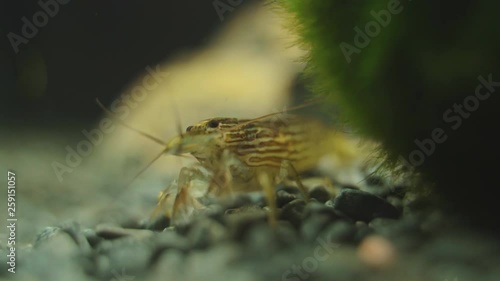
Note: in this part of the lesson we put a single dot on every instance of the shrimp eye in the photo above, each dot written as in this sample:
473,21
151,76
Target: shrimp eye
189,128
213,124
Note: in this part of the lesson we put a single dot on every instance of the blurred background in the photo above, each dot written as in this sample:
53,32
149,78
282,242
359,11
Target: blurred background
164,65
197,59
91,48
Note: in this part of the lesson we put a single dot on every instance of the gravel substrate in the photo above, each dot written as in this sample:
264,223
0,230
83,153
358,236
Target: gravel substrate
354,235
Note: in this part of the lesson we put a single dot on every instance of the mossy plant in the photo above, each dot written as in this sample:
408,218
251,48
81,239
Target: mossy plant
421,78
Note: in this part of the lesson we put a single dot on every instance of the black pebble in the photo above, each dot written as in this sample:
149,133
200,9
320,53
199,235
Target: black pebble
315,208
283,198
159,223
215,212
320,193
235,202
317,217
293,212
289,189
363,206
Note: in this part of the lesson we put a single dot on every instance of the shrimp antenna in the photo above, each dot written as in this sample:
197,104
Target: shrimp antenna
153,138
276,113
147,166
111,114
178,124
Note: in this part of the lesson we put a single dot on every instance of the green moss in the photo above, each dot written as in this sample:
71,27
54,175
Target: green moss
399,86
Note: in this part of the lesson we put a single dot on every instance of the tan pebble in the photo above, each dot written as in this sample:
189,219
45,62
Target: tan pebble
376,251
